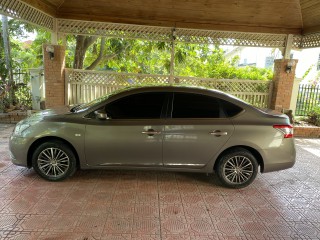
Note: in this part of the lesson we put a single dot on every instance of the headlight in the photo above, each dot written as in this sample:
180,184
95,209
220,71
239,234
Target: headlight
20,128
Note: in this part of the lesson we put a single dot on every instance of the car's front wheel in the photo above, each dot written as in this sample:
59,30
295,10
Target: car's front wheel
237,168
54,161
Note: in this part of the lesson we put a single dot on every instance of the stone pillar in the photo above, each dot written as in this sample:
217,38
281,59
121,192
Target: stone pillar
54,75
282,84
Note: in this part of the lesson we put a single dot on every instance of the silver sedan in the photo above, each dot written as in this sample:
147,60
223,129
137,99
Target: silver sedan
157,128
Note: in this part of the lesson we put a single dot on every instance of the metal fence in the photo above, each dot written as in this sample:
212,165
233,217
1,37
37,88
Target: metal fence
84,86
308,97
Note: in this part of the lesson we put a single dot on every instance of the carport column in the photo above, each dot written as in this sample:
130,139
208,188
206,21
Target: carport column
54,63
283,79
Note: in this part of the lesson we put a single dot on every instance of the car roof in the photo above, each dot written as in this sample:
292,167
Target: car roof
179,88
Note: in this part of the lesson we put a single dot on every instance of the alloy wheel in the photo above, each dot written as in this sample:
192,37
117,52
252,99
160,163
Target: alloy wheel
53,162
238,169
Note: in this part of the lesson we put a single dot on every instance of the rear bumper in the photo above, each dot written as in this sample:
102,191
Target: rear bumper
280,158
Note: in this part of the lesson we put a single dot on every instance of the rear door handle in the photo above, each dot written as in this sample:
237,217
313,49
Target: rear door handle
218,133
151,132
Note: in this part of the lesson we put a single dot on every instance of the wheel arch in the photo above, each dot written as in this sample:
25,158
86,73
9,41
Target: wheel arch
39,141
253,151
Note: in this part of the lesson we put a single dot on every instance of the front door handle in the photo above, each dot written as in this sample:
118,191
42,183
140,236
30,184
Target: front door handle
151,132
218,133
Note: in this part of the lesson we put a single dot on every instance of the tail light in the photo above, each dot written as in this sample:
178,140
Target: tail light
287,130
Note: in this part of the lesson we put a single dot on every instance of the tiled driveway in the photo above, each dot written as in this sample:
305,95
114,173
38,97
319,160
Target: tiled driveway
160,205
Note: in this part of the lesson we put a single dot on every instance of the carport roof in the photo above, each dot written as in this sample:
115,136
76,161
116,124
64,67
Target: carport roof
267,16
261,23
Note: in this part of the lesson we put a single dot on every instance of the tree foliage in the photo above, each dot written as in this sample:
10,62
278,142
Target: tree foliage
24,55
152,57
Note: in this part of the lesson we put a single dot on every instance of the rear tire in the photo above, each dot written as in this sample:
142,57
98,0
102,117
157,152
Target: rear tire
237,168
54,161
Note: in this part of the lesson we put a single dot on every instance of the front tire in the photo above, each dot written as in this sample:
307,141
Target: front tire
237,168
54,161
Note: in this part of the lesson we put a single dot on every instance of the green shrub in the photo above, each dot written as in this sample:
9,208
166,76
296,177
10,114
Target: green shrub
314,115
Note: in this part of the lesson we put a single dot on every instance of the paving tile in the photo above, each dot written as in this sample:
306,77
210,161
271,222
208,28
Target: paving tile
148,198
4,234
228,228
48,235
145,237
280,229
10,192
254,228
67,207
220,213
122,210
9,221
96,209
174,226
61,223
201,226
90,224
183,236
245,214
106,236
146,211
145,226
20,206
33,223
307,230
23,235
170,198
196,211
268,214
118,226
171,210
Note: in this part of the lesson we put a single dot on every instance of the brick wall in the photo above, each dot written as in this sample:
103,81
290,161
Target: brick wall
311,132
54,76
282,84
12,117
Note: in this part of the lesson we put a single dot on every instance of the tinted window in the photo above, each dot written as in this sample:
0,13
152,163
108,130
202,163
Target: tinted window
187,105
137,106
230,109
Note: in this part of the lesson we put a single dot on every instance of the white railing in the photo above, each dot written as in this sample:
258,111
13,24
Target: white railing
84,86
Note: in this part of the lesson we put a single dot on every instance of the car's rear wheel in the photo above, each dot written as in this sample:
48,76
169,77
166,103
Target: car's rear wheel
237,168
54,161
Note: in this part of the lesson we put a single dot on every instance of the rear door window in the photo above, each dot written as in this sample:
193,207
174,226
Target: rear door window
189,105
230,109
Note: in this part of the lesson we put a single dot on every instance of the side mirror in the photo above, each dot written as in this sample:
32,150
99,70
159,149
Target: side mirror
101,115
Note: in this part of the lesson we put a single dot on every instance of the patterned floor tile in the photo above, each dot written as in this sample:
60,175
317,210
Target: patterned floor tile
118,226
23,235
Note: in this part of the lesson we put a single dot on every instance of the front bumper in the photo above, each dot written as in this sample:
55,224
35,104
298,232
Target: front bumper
18,149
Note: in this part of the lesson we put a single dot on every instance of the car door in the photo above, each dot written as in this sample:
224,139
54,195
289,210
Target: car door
196,132
132,136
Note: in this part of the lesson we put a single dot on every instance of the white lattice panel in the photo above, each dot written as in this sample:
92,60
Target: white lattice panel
310,41
230,38
297,41
85,86
114,30
165,34
227,85
21,10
